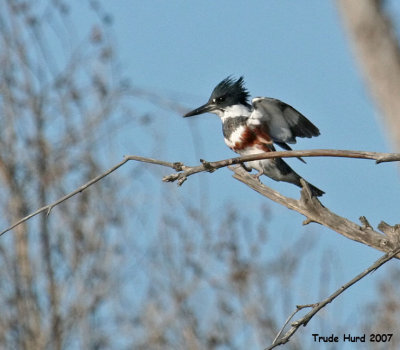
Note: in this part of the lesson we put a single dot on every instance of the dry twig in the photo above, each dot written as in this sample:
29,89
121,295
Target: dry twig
318,306
212,166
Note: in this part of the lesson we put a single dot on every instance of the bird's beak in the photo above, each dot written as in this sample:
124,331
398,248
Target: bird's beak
208,107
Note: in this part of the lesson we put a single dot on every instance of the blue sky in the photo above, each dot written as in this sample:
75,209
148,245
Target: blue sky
296,51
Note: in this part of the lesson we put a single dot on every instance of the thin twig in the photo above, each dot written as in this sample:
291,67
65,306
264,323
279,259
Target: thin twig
47,208
212,166
318,306
285,324
298,308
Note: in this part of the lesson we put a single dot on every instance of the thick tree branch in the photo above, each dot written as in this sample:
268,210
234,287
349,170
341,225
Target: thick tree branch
314,211
320,305
184,171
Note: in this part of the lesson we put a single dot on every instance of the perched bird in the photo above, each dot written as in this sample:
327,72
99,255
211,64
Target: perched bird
251,129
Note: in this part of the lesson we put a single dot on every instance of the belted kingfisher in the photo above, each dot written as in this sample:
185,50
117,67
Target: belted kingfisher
251,129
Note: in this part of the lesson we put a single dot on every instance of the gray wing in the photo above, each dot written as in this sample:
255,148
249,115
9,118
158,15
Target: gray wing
283,121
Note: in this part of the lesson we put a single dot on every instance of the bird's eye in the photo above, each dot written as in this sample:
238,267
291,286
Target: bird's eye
219,99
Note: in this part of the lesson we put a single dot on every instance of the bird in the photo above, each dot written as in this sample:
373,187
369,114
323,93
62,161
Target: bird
254,128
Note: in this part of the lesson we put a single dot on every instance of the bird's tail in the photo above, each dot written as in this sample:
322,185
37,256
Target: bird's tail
315,191
279,170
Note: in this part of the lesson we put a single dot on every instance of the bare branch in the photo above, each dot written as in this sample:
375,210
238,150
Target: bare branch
393,232
320,305
211,166
49,207
177,166
184,171
314,211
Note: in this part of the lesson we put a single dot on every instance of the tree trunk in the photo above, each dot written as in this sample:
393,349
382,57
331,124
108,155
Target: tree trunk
376,47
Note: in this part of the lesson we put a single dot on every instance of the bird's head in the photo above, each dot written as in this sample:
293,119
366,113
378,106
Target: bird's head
227,93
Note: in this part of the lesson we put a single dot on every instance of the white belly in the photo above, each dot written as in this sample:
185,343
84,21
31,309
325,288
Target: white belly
258,165
235,137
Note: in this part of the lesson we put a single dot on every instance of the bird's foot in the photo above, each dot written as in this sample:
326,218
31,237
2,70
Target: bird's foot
257,176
